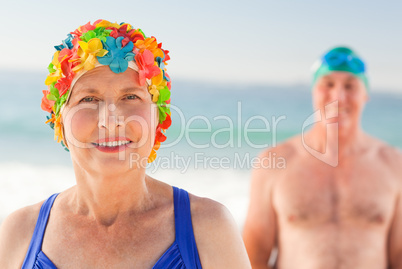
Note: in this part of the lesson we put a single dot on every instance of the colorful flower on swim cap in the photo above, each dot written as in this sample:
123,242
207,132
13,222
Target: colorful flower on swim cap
54,69
114,45
87,54
146,66
118,56
100,33
341,59
67,43
46,104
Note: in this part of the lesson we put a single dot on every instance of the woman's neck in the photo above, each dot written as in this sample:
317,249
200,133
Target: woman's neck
106,196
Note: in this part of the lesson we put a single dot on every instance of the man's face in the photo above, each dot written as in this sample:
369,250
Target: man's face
350,94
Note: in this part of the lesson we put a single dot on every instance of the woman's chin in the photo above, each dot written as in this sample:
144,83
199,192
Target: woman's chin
111,162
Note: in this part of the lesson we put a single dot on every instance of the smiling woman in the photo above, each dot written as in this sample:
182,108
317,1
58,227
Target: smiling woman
108,97
114,114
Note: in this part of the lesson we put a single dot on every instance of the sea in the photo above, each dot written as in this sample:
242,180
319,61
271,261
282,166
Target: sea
218,129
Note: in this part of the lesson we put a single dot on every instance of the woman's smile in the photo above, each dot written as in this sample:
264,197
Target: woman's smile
112,145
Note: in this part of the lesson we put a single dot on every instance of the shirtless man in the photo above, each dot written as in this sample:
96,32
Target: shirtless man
338,203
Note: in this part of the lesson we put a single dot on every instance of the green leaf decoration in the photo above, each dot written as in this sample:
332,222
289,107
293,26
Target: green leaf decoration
53,90
51,97
51,68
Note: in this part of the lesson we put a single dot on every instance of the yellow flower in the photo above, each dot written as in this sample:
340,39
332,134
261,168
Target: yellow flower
58,134
129,27
149,44
158,53
152,156
56,75
105,23
157,145
88,53
153,90
158,79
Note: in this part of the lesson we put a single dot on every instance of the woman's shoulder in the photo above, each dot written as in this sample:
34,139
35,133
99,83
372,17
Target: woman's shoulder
15,235
217,235
205,211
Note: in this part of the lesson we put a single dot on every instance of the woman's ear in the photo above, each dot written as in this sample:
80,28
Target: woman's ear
62,133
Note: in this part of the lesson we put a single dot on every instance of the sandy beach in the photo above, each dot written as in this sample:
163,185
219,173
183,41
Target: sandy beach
25,184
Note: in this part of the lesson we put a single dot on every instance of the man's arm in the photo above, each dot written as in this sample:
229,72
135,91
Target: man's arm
395,238
259,233
395,234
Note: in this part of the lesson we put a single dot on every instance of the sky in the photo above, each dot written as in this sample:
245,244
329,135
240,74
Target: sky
245,42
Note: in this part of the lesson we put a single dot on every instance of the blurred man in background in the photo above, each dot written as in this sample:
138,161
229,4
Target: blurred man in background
338,203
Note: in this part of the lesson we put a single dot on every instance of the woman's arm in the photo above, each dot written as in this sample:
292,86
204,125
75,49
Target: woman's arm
15,235
217,236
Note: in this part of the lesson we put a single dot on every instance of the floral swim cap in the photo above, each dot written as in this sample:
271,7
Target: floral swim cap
119,46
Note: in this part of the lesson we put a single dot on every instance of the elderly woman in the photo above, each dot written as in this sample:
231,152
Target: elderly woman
108,95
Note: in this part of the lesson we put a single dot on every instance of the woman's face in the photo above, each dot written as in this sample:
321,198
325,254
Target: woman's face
110,120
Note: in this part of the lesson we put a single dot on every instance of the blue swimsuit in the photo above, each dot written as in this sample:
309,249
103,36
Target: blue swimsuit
181,254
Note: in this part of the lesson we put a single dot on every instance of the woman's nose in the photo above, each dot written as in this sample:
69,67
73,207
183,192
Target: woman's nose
109,117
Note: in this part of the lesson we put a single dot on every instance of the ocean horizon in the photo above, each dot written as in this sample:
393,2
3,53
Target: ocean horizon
210,120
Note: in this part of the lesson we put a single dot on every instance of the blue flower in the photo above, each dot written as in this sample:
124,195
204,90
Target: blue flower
161,65
66,43
118,56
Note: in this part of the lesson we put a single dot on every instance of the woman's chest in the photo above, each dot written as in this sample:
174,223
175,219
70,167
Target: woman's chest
84,245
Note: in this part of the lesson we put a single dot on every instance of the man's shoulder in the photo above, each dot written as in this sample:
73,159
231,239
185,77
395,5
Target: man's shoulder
16,232
286,149
390,152
390,155
273,163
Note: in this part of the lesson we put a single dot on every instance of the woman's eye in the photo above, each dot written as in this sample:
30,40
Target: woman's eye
87,99
132,97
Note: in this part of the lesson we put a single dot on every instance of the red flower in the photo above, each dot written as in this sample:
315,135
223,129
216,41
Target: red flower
169,83
122,31
46,104
75,56
137,37
64,57
159,135
63,84
166,52
166,123
85,28
145,62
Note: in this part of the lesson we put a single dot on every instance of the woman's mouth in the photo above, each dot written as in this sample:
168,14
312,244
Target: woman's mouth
112,145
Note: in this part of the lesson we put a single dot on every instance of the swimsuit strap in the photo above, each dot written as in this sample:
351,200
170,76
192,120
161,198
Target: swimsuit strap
184,229
37,238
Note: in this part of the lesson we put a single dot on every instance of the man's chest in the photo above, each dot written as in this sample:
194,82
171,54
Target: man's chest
357,192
